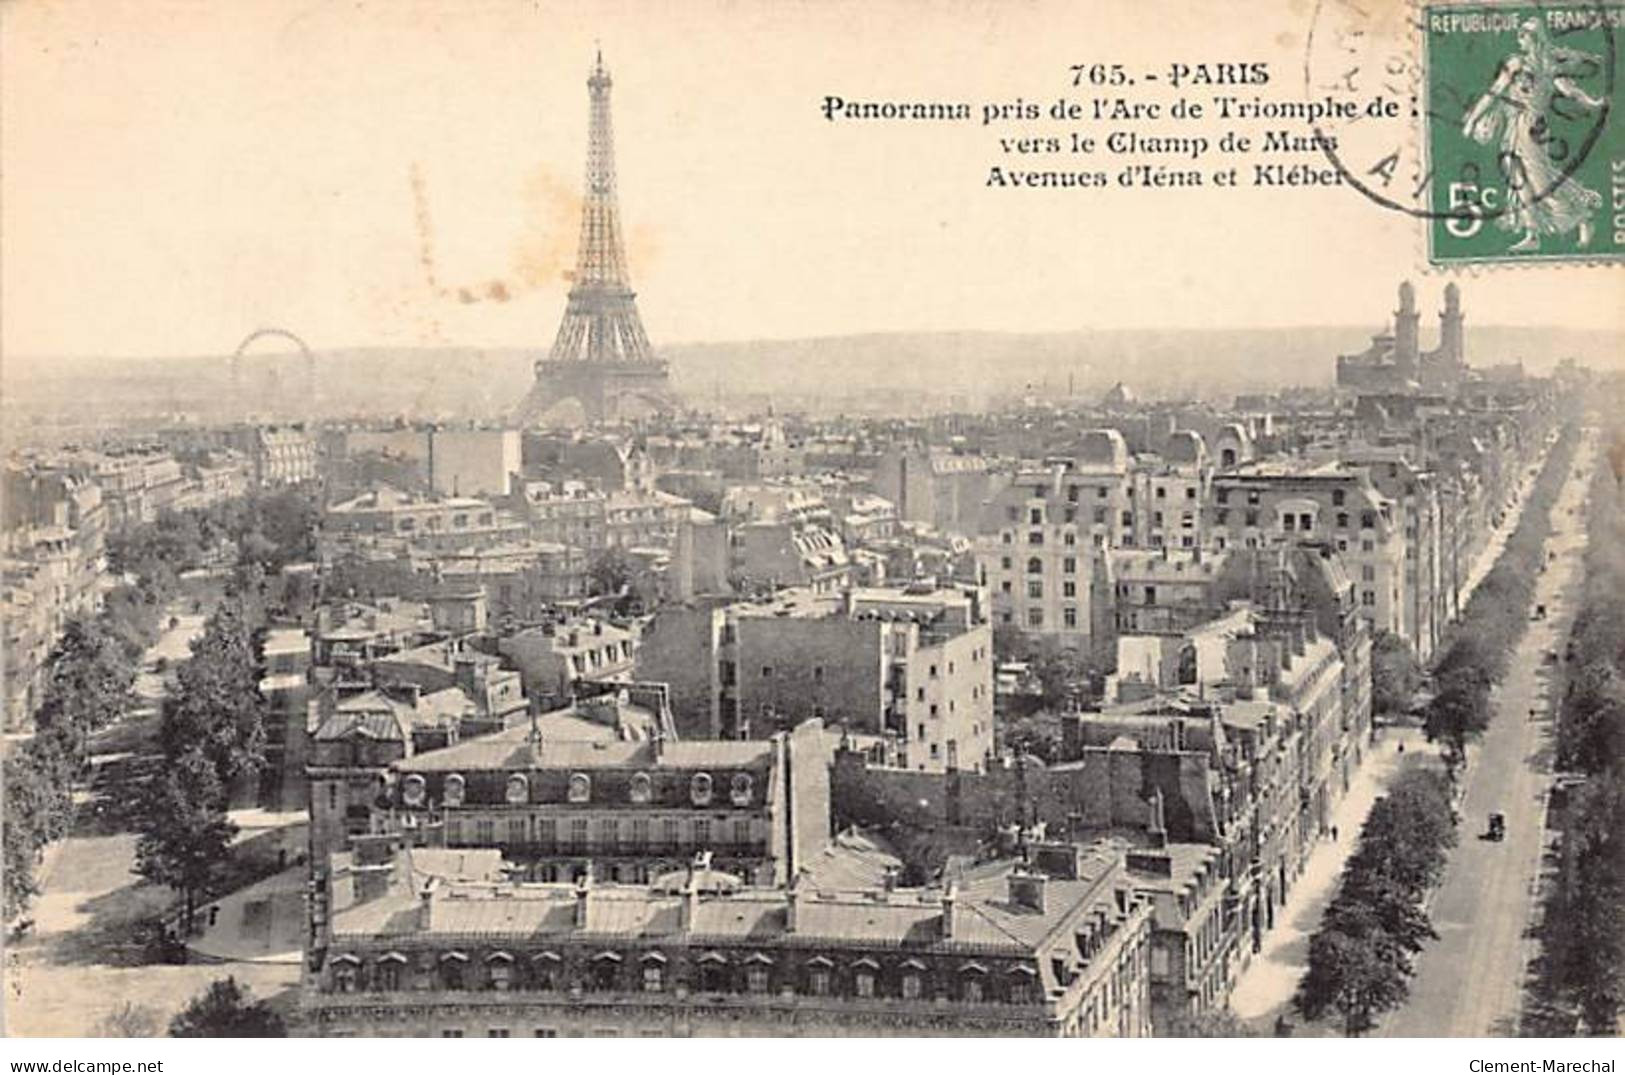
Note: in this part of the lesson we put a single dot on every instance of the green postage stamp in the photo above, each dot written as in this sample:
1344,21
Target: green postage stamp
1524,132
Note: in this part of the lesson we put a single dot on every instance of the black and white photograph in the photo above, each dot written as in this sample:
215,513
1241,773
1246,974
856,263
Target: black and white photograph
767,519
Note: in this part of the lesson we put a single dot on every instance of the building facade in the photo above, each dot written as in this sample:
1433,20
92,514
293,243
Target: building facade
1009,952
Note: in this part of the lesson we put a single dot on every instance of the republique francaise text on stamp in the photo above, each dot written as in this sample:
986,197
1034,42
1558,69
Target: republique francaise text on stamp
1524,141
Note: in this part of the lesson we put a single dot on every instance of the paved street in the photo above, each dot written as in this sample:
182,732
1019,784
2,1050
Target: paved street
1469,982
1264,990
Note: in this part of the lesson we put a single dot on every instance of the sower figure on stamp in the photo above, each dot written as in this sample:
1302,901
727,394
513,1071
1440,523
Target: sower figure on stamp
1541,199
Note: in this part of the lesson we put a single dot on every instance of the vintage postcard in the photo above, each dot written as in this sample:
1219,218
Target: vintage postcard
765,519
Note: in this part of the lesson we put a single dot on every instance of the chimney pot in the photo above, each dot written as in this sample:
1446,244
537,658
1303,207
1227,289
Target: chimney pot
1027,889
583,896
792,901
687,908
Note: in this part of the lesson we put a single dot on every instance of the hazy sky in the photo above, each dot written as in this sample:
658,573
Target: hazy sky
176,174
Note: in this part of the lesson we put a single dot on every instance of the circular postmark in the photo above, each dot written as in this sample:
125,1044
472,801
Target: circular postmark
1469,115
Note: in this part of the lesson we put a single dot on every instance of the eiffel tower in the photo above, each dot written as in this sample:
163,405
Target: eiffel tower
601,368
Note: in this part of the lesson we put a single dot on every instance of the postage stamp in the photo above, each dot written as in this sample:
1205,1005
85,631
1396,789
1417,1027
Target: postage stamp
1523,132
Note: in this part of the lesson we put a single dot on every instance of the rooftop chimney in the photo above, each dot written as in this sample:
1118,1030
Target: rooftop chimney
583,894
1027,889
688,907
792,903
1056,859
950,915
426,903
373,865
1158,863
1157,830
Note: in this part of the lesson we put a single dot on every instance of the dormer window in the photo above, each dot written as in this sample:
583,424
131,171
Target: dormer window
699,789
518,789
580,788
413,790
454,790
642,788
739,792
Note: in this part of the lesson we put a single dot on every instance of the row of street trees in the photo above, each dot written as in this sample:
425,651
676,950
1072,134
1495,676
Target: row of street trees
89,676
1361,957
1396,675
1584,965
213,737
217,709
1495,618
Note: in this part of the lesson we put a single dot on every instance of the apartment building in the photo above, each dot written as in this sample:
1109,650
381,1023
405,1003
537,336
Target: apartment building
1010,950
911,663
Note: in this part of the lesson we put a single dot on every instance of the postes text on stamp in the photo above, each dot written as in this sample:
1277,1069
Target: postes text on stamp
1523,132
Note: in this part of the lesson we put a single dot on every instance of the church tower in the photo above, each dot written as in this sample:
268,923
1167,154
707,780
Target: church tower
1451,349
1407,321
601,367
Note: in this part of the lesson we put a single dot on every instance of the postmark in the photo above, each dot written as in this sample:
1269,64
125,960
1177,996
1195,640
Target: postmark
1544,186
1364,52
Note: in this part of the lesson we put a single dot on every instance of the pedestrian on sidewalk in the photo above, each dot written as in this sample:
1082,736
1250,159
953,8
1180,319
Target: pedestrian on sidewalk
1334,834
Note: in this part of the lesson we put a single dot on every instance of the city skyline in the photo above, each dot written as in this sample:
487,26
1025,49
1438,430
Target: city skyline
749,216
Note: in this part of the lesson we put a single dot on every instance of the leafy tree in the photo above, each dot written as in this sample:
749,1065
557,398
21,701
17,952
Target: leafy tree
1357,975
1469,661
249,592
1584,976
1038,734
35,797
1062,675
1406,834
1370,903
188,835
1592,736
1395,674
37,810
276,529
89,674
1591,954
609,571
1010,644
133,615
225,1010
1360,959
1459,713
217,707
21,844
289,520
